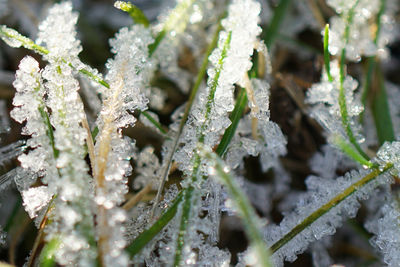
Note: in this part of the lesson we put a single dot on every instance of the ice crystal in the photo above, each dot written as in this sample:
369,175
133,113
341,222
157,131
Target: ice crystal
73,189
324,98
30,107
328,161
128,73
231,60
58,34
256,134
11,151
385,226
320,190
389,153
360,42
131,55
149,168
35,199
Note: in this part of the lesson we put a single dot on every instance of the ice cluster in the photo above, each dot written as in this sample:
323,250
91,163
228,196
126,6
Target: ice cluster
58,33
231,60
256,135
207,122
385,226
356,16
389,153
50,96
320,191
28,102
129,73
324,98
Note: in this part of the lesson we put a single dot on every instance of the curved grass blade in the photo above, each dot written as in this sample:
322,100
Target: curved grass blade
154,122
348,149
245,210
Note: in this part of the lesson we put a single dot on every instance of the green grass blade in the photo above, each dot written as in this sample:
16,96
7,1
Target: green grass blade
186,210
189,104
136,14
342,96
236,114
145,237
349,150
15,39
381,111
276,21
245,210
46,258
326,53
371,61
154,122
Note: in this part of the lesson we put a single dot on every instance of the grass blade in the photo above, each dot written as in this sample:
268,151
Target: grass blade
276,21
136,14
380,110
236,114
342,96
145,237
326,53
245,210
349,150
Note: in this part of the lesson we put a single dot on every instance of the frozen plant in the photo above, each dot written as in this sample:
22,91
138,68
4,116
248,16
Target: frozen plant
187,130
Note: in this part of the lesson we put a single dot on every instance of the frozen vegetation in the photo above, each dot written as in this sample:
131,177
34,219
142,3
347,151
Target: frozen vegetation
208,118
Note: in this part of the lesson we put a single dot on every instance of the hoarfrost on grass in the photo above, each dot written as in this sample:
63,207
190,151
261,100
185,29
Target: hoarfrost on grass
320,191
58,33
385,226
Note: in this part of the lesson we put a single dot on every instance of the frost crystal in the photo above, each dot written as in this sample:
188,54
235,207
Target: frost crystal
58,34
209,119
74,193
35,199
128,73
389,153
385,226
231,61
320,191
361,42
30,107
324,97
256,135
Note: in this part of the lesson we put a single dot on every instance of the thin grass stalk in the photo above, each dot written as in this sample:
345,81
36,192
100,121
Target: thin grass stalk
342,97
187,204
245,210
189,104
